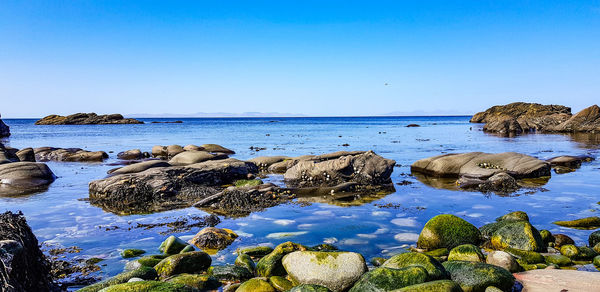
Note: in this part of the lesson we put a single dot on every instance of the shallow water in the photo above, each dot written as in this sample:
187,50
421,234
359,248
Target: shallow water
372,228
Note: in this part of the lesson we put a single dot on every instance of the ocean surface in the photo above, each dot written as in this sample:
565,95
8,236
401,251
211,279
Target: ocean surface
374,226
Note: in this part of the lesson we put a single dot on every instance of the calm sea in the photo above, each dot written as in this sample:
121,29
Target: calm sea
372,226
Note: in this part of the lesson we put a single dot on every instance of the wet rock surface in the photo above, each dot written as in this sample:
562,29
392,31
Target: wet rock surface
20,178
68,154
23,266
86,119
4,129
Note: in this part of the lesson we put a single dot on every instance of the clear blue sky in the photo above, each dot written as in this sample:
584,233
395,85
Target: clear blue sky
307,57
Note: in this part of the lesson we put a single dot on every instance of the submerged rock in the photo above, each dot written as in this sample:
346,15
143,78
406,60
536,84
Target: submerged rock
476,277
19,178
387,279
213,238
132,252
500,183
68,154
335,270
86,119
583,223
363,168
447,231
133,154
23,266
569,161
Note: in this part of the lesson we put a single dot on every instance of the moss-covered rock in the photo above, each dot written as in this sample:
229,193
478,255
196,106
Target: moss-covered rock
172,245
212,238
515,234
230,273
337,271
255,251
570,251
547,237
583,223
387,279
187,248
248,182
594,238
447,231
270,264
514,216
256,285
145,273
149,286
436,253
559,260
378,261
525,256
132,252
433,286
596,248
475,277
245,261
466,252
596,261
200,282
309,288
434,269
189,262
561,239
146,261
281,283
586,253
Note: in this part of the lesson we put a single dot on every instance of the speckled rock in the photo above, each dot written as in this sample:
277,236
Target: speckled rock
229,273
213,238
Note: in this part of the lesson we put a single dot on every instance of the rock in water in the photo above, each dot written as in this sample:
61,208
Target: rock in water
433,286
587,120
337,271
514,234
482,165
4,129
132,154
435,270
23,266
583,223
387,279
476,277
558,280
68,154
213,238
270,265
447,231
20,178
149,286
466,252
86,119
194,262
363,168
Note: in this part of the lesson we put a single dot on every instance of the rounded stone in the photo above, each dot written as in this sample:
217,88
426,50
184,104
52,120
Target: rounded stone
466,252
434,269
447,231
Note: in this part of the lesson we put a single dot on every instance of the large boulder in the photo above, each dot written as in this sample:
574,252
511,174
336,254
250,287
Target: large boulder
144,273
476,277
164,188
518,234
214,148
388,279
482,165
520,117
23,266
447,231
68,154
4,129
337,271
363,168
270,265
86,119
19,178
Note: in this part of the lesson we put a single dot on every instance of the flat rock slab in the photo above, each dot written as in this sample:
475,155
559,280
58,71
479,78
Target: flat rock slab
482,165
558,280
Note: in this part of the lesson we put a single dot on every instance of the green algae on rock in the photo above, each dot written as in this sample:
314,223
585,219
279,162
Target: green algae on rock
281,283
172,245
594,238
436,253
434,269
200,282
131,253
547,237
476,277
212,238
387,279
514,216
146,261
377,261
149,286
433,286
245,261
583,223
247,182
189,262
270,264
145,273
466,252
256,285
229,273
515,234
447,231
337,271
309,288
559,260
596,261
255,251
526,256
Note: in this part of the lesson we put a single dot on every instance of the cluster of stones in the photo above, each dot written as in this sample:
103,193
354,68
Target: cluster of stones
451,255
86,119
520,117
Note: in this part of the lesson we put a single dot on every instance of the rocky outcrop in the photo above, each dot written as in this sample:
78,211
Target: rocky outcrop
363,168
19,178
86,119
4,129
520,117
23,267
164,188
68,154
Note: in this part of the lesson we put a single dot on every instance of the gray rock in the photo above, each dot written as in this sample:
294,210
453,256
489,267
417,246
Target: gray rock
4,129
20,178
68,154
504,260
192,156
139,167
132,154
